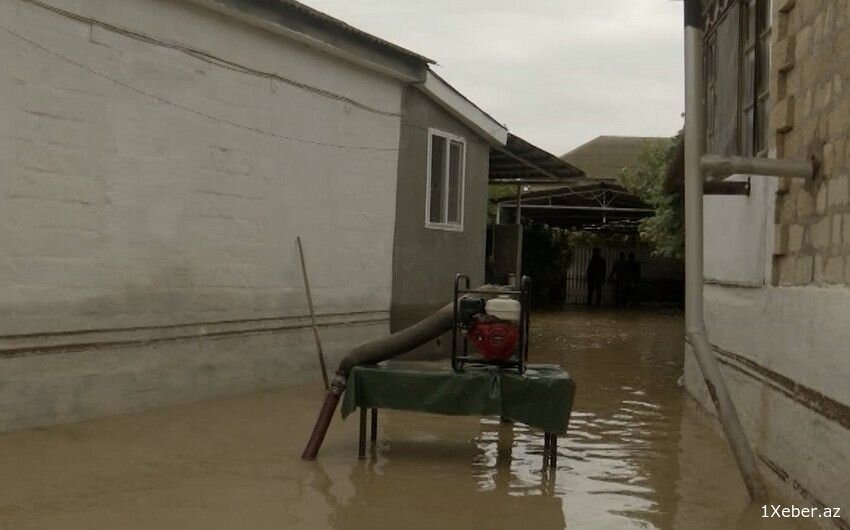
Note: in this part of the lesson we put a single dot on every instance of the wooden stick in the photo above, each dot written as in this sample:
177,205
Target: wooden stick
313,315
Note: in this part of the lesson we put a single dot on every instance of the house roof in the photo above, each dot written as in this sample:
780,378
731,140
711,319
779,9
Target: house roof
338,25
605,156
522,162
459,106
295,20
321,31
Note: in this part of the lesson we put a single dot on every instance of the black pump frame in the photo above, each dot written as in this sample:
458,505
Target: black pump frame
462,358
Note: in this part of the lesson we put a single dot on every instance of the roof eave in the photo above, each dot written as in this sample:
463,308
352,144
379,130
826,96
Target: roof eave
464,110
521,162
379,56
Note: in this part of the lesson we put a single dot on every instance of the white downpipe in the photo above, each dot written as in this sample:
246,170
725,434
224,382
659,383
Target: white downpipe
694,280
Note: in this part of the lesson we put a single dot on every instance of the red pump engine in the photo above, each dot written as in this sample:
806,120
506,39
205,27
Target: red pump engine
495,325
495,339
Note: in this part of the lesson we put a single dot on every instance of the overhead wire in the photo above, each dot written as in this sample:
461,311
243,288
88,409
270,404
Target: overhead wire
206,56
209,58
185,108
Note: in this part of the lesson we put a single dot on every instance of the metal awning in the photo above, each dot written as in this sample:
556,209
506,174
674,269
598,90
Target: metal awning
591,205
520,162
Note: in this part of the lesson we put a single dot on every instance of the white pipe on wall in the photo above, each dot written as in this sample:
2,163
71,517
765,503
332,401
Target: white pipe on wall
722,167
694,280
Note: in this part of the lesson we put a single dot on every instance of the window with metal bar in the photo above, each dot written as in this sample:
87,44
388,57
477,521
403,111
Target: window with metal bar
446,176
755,96
736,64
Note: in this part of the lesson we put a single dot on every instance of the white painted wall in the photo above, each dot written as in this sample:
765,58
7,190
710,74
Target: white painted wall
737,231
120,211
799,333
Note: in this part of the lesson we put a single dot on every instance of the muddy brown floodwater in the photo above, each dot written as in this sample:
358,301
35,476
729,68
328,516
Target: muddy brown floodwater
639,455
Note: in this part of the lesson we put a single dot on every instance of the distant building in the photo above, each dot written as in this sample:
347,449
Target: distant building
777,261
158,160
596,202
605,156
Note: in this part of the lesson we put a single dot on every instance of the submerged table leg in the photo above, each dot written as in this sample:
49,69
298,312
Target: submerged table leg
374,433
361,448
553,450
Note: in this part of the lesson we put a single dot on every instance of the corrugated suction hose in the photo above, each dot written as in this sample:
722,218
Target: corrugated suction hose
374,352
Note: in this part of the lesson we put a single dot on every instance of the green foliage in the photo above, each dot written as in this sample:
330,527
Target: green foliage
496,192
584,238
665,230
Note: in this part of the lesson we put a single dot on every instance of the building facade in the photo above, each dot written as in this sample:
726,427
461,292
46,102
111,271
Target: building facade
441,215
777,262
158,160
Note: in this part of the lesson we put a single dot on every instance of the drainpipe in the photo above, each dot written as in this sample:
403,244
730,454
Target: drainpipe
694,322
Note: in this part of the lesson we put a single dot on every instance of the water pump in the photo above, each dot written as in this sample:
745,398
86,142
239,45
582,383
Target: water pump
495,323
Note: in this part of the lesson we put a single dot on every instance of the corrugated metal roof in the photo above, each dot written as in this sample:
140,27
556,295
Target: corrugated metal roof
592,204
351,30
520,160
459,93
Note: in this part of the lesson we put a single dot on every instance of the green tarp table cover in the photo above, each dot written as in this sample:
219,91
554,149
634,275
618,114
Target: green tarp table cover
542,397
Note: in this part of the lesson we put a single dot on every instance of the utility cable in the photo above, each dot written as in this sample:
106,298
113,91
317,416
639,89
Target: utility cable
185,108
206,56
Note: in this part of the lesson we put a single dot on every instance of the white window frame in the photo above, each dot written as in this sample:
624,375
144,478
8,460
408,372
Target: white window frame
458,226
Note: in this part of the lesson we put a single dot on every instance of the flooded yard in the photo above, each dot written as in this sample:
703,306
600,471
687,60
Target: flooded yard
639,455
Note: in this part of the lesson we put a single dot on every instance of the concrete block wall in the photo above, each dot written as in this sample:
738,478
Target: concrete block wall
150,199
811,117
783,343
783,354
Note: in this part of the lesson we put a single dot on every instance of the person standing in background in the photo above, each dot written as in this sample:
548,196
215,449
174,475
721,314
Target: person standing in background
595,277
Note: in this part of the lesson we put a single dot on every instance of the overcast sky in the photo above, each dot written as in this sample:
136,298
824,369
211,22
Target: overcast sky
556,72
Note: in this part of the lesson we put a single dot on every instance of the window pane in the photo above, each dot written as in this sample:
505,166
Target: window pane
455,168
438,171
728,64
749,77
763,78
710,96
764,15
761,125
747,133
750,22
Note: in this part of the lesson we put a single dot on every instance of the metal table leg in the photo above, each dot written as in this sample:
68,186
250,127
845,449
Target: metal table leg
553,450
361,448
374,437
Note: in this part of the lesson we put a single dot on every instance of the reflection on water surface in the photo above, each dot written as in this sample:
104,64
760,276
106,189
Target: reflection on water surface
639,455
